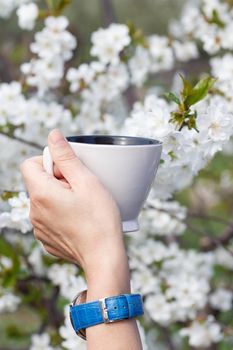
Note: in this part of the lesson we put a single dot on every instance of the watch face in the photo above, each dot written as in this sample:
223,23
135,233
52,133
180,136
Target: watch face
82,334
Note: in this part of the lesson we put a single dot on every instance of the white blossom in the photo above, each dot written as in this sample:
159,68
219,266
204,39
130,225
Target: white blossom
65,276
18,217
216,127
27,15
163,218
5,263
54,46
161,53
8,301
159,309
185,51
8,6
175,289
108,43
208,21
221,299
203,333
184,152
150,119
144,281
224,258
41,342
139,66
36,260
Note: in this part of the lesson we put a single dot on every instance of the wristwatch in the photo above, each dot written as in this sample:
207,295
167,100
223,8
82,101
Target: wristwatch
104,310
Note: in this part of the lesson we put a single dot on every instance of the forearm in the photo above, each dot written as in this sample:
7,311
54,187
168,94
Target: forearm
111,277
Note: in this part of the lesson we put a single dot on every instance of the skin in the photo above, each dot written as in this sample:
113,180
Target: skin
77,219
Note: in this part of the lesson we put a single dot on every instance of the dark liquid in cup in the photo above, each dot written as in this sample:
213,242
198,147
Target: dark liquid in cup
112,140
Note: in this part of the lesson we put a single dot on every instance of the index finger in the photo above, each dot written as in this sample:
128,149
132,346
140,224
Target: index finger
34,175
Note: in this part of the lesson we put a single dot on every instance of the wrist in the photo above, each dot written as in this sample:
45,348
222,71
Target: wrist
108,275
107,288
104,256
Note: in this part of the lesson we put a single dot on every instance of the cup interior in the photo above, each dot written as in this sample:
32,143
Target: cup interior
112,140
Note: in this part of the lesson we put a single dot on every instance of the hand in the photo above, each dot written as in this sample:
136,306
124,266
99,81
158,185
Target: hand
74,216
77,219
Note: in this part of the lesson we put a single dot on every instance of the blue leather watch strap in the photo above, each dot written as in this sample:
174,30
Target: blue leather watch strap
106,310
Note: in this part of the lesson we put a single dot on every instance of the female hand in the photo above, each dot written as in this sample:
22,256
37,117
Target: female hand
75,218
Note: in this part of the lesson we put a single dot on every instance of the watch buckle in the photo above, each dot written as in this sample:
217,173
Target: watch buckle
104,310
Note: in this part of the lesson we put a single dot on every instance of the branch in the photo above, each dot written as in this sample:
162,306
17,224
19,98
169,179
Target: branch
131,97
33,278
26,142
5,69
54,315
108,12
210,243
208,217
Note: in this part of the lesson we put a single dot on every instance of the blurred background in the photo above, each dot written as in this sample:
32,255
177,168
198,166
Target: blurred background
152,16
210,200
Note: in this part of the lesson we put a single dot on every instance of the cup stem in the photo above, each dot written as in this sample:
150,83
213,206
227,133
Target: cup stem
130,226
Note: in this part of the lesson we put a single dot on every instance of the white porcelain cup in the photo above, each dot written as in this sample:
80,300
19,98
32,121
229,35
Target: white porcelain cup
125,165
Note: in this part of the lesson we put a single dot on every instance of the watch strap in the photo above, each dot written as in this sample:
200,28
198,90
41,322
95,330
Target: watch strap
106,310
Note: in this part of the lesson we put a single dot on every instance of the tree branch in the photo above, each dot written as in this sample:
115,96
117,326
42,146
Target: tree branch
26,142
54,315
131,97
210,243
5,69
208,217
108,12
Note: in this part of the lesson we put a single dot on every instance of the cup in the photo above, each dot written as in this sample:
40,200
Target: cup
125,165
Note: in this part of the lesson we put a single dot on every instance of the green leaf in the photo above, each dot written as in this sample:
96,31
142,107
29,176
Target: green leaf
6,195
200,91
172,155
62,4
177,118
172,97
137,35
187,87
6,249
57,6
216,19
10,277
192,123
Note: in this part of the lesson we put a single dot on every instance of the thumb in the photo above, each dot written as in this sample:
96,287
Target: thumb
64,157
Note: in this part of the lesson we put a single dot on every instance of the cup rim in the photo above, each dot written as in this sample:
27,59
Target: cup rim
153,142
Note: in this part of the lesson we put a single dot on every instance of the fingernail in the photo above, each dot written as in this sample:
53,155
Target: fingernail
56,137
